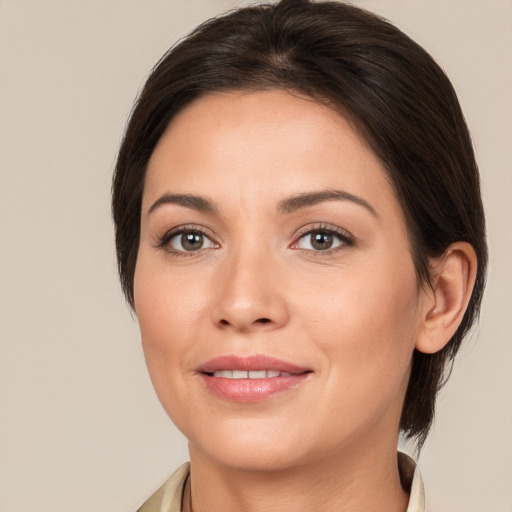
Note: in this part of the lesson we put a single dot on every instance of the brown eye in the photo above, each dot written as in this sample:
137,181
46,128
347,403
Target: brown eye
190,241
320,240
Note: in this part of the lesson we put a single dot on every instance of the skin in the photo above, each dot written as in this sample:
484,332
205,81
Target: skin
352,315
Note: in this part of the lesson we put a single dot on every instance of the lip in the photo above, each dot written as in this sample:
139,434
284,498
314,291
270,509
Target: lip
251,390
250,363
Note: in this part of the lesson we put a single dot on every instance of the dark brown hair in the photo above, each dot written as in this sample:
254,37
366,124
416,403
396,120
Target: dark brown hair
392,91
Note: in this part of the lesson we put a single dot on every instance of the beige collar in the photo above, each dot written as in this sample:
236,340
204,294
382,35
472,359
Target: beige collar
170,495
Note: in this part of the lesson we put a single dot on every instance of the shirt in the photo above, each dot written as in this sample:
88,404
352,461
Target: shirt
168,497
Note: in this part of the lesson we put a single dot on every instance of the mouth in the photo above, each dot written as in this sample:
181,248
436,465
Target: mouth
251,379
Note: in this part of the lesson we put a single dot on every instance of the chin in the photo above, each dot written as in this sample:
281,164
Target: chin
254,458
255,447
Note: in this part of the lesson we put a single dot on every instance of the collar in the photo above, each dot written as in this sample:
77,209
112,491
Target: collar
169,497
410,477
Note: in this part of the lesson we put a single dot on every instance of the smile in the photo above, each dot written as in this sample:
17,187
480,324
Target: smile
251,378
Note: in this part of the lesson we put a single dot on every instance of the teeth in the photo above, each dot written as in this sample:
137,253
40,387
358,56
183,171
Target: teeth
224,373
253,374
257,374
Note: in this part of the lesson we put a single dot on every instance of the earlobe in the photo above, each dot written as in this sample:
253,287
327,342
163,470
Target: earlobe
446,303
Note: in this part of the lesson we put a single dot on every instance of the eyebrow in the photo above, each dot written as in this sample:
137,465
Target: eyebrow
306,199
201,204
288,205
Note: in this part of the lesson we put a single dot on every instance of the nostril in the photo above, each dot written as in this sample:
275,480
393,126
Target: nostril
241,324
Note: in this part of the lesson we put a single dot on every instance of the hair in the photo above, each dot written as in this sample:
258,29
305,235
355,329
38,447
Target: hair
390,89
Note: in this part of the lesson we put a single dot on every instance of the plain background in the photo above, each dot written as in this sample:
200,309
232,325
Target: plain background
80,426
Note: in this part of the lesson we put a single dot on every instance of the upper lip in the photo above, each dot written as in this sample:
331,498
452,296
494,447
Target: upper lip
250,363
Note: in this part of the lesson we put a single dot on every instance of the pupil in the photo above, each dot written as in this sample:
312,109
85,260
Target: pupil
192,241
322,241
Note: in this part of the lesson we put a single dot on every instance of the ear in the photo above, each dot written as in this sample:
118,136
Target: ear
444,306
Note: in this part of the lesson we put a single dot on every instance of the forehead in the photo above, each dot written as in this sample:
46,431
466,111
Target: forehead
255,146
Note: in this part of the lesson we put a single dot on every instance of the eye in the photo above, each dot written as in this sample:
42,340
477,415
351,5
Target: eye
322,239
189,240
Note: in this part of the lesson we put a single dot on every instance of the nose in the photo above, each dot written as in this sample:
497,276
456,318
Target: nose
249,294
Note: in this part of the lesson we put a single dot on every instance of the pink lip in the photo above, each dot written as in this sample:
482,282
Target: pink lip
250,390
248,363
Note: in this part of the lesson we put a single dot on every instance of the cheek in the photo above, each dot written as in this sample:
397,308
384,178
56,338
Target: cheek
167,312
366,324
369,301
168,304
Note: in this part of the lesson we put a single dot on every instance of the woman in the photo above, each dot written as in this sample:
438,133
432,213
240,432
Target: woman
300,232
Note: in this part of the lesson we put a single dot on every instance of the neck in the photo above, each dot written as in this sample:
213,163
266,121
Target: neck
356,482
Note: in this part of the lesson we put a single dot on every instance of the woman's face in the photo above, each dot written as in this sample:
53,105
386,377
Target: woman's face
272,243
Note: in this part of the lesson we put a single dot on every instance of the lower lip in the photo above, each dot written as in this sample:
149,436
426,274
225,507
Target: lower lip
251,390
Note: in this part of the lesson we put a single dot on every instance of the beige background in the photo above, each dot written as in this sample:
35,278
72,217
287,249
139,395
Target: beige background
80,427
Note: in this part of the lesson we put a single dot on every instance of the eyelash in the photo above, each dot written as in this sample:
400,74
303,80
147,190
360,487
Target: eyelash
346,239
